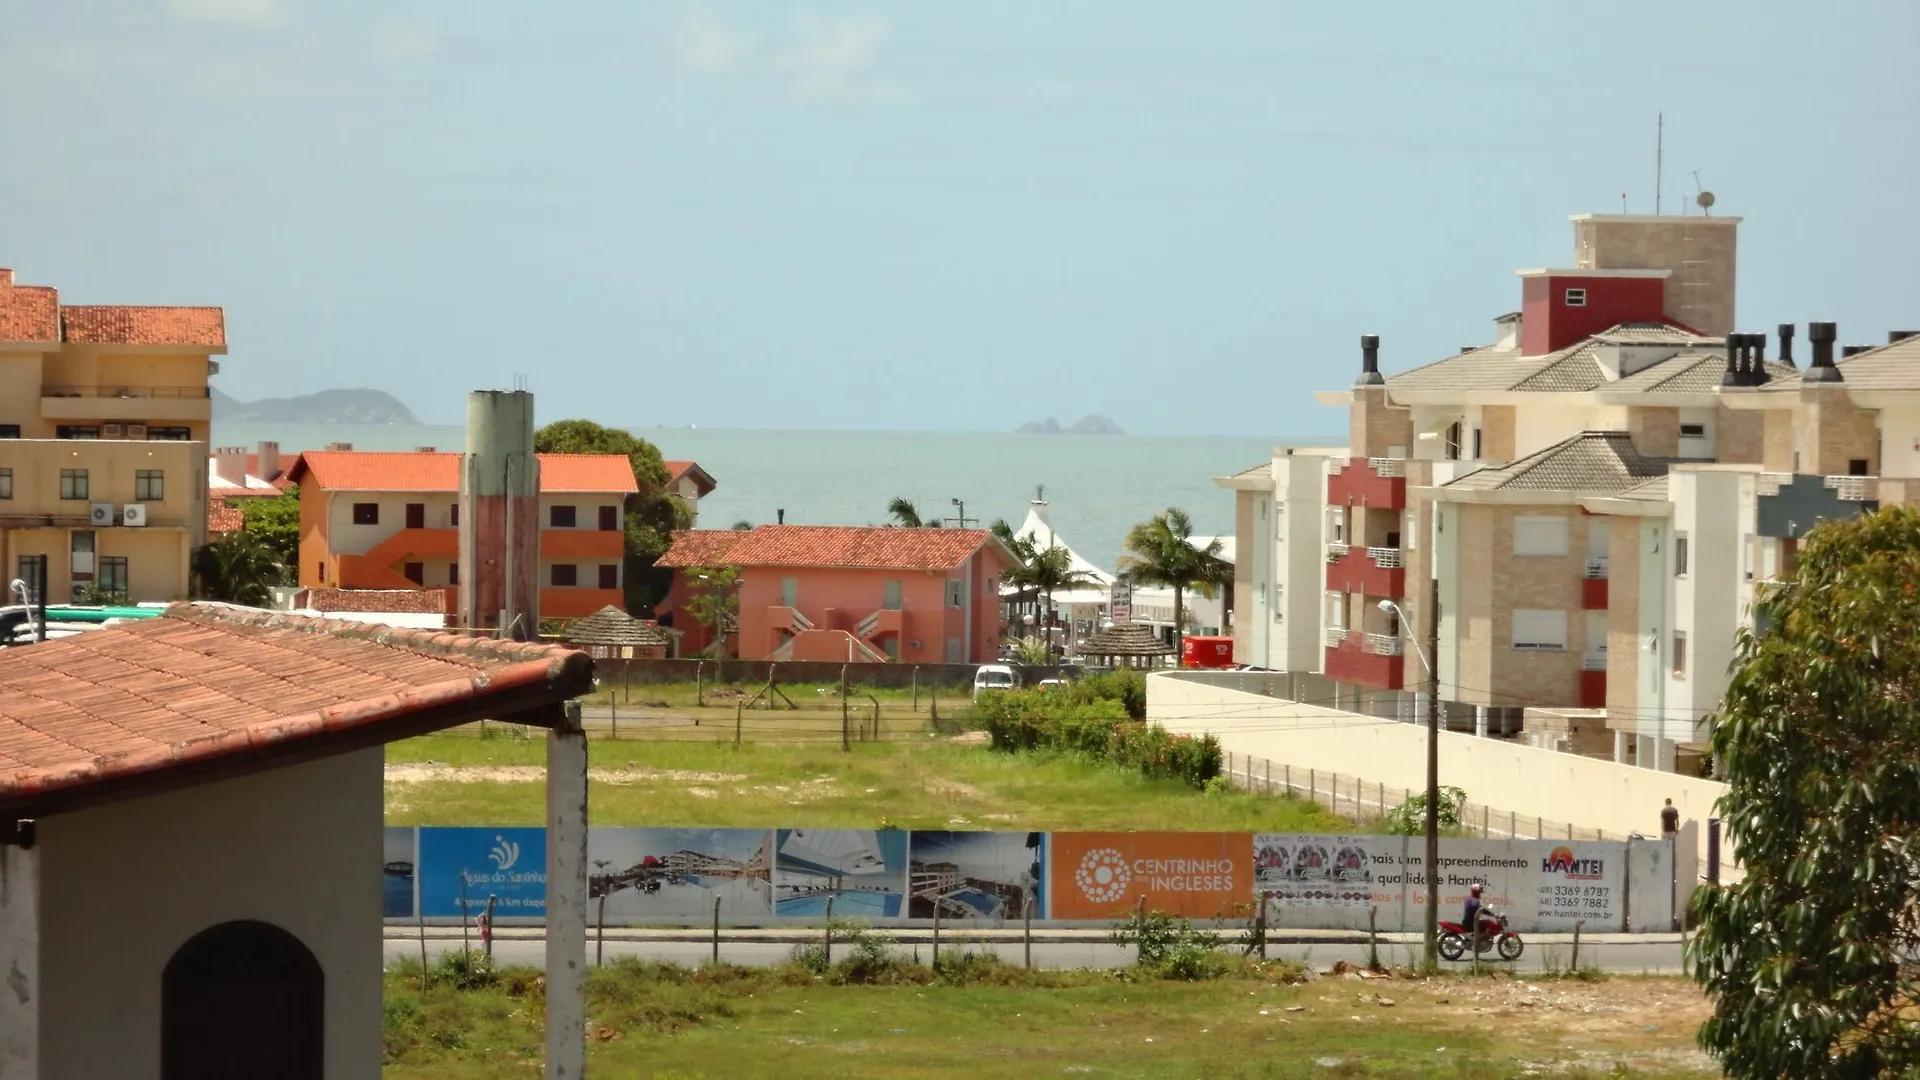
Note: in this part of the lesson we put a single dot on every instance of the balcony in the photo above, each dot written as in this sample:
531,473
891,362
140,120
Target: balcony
1379,483
1374,571
1335,635
881,623
787,619
1355,661
606,546
138,404
1593,586
1384,644
1788,506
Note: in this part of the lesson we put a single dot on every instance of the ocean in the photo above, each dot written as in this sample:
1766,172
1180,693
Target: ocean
1097,487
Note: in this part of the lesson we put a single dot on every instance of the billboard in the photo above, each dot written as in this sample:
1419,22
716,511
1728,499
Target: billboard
977,875
459,868
1195,875
638,876
862,871
396,873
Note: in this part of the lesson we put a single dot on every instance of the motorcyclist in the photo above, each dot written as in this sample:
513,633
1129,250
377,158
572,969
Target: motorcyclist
1472,921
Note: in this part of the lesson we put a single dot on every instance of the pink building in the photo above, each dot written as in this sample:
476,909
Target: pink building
835,593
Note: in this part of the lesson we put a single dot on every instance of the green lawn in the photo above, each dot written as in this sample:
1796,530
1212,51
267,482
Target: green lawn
650,1021
686,693
920,783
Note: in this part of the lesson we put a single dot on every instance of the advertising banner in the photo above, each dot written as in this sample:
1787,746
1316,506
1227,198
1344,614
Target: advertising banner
863,871
1195,875
459,868
670,875
977,875
1313,882
396,871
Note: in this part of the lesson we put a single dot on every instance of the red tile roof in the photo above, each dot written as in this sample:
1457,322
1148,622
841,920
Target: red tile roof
701,547
857,547
700,476
413,601
28,312
202,327
356,470
223,518
204,691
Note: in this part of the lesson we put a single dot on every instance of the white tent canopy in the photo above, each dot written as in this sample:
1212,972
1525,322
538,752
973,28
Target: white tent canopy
1038,529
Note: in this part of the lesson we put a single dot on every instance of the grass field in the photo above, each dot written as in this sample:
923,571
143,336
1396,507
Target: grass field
917,783
651,1021
686,693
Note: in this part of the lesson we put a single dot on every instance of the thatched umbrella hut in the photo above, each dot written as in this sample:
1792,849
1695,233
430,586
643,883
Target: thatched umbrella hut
1125,645
612,634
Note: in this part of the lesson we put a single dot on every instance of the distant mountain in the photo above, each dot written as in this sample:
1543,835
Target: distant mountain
1087,425
325,407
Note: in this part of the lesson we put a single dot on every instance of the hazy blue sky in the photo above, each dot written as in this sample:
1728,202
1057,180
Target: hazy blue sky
941,215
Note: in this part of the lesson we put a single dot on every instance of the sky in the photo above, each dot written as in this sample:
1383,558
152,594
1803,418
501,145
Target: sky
918,215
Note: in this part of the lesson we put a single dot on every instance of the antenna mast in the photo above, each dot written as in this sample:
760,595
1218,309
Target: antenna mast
1659,158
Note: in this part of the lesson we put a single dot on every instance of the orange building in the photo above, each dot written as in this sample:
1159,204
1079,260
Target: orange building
391,521
837,593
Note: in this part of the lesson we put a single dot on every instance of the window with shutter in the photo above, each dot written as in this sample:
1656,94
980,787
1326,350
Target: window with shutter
1544,537
1540,630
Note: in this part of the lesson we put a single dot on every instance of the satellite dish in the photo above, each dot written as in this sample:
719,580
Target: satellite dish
1704,199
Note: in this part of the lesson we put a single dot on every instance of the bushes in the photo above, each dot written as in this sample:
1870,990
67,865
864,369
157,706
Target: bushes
1071,720
1410,817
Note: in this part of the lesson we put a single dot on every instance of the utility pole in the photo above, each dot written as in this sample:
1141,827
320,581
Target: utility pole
961,521
1433,775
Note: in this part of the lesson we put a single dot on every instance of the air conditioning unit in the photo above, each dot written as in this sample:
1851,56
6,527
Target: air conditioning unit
136,431
134,514
102,514
110,431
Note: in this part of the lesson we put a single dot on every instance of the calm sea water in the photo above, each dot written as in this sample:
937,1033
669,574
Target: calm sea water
1098,486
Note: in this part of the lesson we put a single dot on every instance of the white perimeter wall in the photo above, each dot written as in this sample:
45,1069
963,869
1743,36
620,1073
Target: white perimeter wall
1584,791
124,886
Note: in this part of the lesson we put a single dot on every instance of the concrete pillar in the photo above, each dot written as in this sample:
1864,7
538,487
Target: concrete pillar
1480,721
567,896
500,515
1619,748
19,959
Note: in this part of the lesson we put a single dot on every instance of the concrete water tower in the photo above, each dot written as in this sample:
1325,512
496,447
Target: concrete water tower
500,516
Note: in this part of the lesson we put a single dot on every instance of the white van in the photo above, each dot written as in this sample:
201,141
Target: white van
993,677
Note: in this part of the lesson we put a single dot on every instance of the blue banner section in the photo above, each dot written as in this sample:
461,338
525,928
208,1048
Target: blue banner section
396,872
459,868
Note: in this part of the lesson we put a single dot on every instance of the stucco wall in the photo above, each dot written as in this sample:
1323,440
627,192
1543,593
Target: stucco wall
1585,791
838,599
126,885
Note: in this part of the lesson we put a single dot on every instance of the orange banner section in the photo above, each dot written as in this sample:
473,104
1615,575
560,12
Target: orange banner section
1195,875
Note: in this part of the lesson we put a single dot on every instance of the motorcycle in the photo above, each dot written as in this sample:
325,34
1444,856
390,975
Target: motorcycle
1455,938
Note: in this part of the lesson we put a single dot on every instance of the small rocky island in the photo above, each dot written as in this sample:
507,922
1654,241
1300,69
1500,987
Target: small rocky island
325,407
1094,424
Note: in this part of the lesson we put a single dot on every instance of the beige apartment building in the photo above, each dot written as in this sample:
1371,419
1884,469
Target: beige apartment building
104,415
1586,503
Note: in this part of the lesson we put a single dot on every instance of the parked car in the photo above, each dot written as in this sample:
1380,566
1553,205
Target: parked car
1047,684
993,677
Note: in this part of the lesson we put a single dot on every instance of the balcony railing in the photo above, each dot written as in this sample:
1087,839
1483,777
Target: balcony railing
1596,569
1384,644
1335,635
1853,488
1772,482
1593,660
1336,552
1388,466
1386,558
56,391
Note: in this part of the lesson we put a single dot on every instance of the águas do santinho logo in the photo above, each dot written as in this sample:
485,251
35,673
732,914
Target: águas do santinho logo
1103,875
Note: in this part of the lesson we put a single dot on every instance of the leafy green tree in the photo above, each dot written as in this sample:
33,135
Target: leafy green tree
652,516
1811,957
906,515
743,525
275,523
1160,553
239,568
713,601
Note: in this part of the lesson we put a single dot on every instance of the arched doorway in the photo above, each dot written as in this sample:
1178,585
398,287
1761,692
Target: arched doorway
242,999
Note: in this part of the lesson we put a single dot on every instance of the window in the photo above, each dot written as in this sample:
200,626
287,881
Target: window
609,519
453,516
1336,525
789,592
33,571
323,572
169,434
1857,467
1546,630
1542,537
1693,431
953,651
1412,531
112,582
1679,555
9,431
1261,505
77,431
1679,654
609,575
892,599
366,513
73,484
453,573
416,515
956,593
1576,298
565,575
1279,601
6,483
561,517
414,572
1746,555
1453,441
1337,610
1279,520
149,485
1476,444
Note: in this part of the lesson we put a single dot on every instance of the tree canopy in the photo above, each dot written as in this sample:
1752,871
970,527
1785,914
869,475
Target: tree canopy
906,515
275,523
1160,552
1811,957
652,516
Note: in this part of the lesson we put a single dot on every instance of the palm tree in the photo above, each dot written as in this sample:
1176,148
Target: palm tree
1043,570
907,516
1160,552
239,569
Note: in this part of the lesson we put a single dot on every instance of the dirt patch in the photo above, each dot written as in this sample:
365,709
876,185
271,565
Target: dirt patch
1637,1023
419,772
971,738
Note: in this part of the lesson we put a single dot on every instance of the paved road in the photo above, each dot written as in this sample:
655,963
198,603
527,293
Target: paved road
1650,953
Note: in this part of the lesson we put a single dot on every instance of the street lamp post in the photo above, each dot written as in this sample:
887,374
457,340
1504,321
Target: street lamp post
1429,703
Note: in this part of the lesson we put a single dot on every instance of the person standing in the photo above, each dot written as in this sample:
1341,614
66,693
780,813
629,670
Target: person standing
1669,820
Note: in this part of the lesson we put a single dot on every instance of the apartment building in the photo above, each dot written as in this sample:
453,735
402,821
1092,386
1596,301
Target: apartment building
392,521
104,411
858,593
690,483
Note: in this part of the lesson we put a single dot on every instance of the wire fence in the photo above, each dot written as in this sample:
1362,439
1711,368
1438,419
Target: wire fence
1365,801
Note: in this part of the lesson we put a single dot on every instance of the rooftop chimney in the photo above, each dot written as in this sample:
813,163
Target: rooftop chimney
269,460
1895,337
780,516
1821,370
1757,360
340,446
1369,361
1852,350
424,450
1786,343
1733,375
230,465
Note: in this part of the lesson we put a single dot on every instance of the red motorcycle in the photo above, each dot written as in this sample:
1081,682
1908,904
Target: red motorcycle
1455,939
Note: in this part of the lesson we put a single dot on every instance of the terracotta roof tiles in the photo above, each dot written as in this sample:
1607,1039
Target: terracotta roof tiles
395,601
223,518
701,547
678,469
28,313
1592,461
849,546
101,324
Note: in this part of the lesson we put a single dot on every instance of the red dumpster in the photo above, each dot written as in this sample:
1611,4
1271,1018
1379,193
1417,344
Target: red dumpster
1199,651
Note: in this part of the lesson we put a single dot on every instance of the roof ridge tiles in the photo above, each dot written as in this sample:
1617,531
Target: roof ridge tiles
438,641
